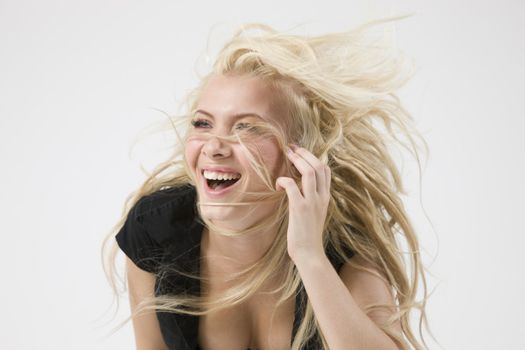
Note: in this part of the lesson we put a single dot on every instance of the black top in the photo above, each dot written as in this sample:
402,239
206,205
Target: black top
164,229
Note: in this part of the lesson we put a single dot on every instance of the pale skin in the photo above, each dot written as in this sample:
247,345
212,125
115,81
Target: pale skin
333,296
338,300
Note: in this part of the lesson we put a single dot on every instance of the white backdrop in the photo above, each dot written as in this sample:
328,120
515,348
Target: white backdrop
79,80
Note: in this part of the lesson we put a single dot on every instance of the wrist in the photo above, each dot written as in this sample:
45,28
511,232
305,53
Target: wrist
310,259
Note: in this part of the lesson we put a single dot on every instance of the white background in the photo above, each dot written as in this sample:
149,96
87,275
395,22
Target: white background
79,80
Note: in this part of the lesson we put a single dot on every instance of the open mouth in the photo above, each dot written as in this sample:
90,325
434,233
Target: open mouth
220,184
217,181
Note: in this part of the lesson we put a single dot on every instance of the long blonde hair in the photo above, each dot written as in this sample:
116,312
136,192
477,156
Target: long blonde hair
339,92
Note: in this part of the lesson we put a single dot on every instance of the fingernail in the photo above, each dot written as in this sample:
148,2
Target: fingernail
295,146
289,150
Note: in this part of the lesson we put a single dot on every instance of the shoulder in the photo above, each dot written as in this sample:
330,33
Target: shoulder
170,215
179,201
360,270
165,220
160,219
369,287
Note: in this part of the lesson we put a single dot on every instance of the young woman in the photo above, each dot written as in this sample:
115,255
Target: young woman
277,224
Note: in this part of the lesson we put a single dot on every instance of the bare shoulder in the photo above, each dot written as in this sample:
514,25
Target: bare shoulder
359,271
369,287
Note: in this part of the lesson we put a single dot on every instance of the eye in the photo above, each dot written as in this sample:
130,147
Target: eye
243,126
200,123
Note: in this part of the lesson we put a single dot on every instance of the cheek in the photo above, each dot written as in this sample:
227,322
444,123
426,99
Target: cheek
273,157
191,153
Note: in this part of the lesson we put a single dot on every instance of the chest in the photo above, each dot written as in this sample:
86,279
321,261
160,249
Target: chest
255,324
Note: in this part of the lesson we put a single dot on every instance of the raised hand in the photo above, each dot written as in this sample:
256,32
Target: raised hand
307,205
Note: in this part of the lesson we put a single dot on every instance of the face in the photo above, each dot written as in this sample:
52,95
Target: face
221,168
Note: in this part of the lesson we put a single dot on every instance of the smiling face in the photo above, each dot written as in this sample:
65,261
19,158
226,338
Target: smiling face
228,105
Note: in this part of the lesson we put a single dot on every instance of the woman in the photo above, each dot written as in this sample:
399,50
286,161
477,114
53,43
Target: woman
273,227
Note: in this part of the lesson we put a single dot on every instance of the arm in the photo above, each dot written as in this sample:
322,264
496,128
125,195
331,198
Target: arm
338,303
145,326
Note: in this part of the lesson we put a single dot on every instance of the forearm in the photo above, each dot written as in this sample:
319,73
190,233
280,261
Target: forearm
343,323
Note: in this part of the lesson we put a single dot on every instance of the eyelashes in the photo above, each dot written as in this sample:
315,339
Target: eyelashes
244,126
204,124
199,123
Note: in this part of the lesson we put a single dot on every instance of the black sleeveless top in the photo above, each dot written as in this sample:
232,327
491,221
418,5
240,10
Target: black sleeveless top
164,229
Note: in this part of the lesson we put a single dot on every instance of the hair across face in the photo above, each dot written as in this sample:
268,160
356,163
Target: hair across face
232,108
334,95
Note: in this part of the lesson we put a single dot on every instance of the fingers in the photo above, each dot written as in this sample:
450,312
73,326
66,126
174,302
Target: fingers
308,178
292,191
315,176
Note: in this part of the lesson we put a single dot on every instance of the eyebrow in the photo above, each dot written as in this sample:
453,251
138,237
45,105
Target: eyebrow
235,116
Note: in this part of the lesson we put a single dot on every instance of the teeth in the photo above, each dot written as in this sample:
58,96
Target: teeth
213,175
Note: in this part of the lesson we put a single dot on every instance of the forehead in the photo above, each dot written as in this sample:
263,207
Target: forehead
228,95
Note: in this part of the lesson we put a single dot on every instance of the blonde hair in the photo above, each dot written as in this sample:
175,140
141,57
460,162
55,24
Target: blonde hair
336,90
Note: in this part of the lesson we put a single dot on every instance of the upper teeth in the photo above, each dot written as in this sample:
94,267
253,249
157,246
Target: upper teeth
213,175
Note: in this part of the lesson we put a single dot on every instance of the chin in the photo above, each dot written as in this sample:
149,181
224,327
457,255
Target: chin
218,213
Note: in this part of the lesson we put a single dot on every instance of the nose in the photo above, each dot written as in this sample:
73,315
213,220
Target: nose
215,148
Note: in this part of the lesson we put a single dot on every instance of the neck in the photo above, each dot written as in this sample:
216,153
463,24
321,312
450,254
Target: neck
225,256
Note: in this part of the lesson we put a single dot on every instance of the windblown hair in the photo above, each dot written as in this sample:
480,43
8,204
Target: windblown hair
339,97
